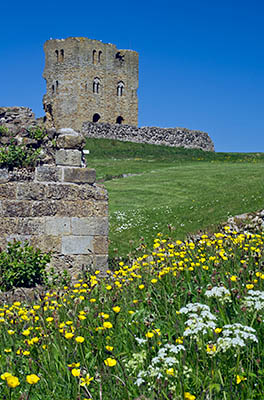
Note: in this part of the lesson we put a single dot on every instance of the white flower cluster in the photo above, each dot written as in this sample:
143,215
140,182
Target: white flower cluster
255,300
163,356
137,360
159,364
200,319
221,293
235,336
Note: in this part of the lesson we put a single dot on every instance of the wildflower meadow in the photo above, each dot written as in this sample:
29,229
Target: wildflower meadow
181,320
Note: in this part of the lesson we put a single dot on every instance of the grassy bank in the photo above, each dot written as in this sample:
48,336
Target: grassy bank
184,321
172,189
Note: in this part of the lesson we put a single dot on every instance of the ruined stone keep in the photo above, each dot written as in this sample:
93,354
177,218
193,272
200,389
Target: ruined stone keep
88,80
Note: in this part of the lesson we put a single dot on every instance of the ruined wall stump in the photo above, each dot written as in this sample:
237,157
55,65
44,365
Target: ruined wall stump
59,208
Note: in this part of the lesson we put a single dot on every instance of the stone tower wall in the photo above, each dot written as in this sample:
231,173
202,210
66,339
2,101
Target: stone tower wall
59,208
76,69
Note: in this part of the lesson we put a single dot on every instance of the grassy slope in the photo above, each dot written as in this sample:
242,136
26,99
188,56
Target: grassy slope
186,189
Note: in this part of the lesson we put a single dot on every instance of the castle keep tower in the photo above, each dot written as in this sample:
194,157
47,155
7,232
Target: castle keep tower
88,80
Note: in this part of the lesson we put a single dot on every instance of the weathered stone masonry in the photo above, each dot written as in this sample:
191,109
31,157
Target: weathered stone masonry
88,80
176,137
58,207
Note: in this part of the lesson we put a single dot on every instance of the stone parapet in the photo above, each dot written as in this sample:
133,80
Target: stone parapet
58,208
174,137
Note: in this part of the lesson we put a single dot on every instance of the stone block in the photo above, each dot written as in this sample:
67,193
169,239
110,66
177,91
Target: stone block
8,191
30,226
77,245
3,242
78,208
8,226
17,208
92,192
101,208
101,263
89,226
47,243
100,245
69,139
60,191
19,238
30,191
79,175
4,175
46,173
58,226
68,157
44,208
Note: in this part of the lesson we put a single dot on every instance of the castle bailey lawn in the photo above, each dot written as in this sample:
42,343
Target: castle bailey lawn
172,190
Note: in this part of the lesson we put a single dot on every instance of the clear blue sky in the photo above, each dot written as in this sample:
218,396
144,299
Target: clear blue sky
201,62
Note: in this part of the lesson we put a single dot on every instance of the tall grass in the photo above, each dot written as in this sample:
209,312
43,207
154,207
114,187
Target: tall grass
183,321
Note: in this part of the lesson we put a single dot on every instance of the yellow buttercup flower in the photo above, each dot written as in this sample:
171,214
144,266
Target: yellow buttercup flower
5,375
68,335
240,379
79,339
12,381
86,381
110,362
32,379
189,396
107,325
75,372
149,334
249,286
218,330
116,309
170,371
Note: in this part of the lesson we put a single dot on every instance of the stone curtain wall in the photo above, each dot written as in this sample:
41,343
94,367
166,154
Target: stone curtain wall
58,207
175,137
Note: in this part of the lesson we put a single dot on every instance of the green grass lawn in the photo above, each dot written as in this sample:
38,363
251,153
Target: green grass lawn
185,190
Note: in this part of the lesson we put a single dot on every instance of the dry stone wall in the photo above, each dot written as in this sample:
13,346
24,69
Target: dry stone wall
174,137
57,207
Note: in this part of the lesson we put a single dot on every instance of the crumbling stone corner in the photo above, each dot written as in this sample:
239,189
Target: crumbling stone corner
59,208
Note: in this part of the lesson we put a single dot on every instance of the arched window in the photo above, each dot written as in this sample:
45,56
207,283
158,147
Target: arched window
99,57
94,57
120,89
96,85
53,89
96,117
57,55
62,55
57,85
119,120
